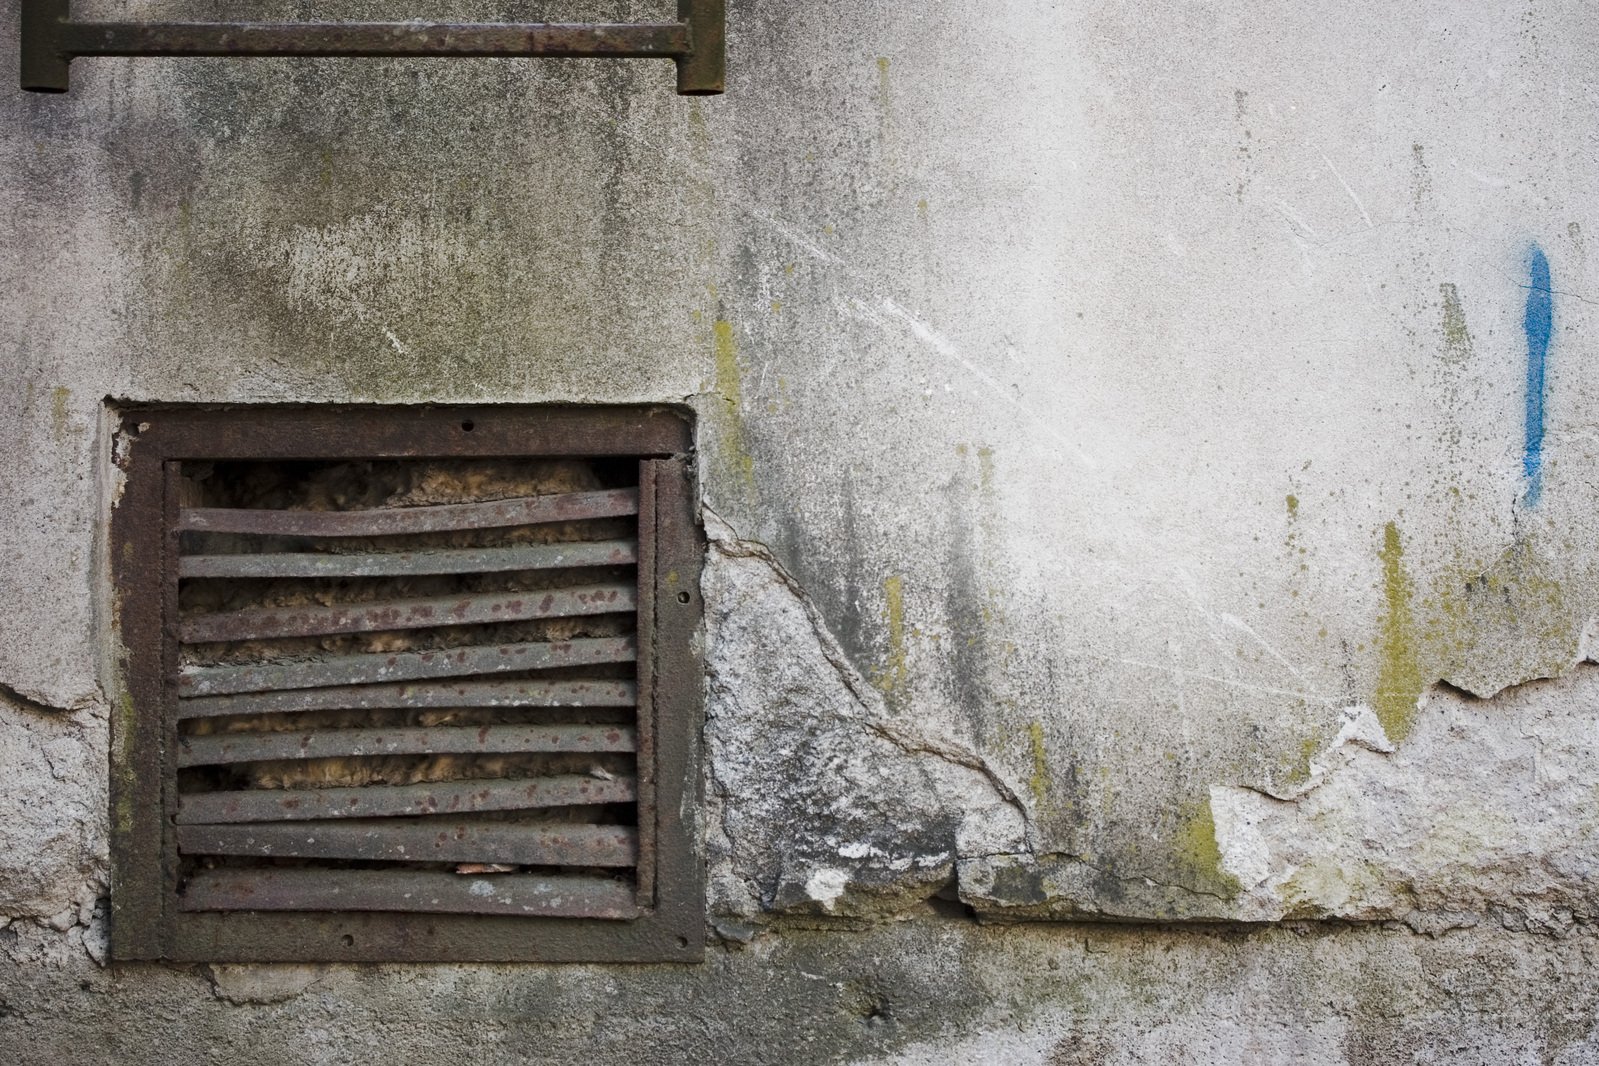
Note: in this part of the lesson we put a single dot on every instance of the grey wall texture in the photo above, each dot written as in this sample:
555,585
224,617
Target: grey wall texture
1152,573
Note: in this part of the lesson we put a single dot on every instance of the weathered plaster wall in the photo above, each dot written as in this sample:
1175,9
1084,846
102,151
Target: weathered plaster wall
1146,451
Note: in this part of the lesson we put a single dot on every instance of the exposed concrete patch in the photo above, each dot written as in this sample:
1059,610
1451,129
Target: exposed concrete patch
1355,996
912,992
1518,619
1025,888
58,944
1488,808
53,844
1057,1040
827,804
258,984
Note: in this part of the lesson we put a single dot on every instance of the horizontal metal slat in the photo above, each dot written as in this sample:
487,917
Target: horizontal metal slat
433,841
403,564
403,666
494,514
640,40
220,748
409,890
377,801
424,695
476,609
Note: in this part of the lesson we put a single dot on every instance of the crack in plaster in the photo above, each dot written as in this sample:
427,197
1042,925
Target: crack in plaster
819,819
1483,809
23,702
1065,857
725,540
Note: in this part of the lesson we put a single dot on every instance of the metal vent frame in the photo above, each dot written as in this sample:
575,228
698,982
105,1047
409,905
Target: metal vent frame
147,924
51,39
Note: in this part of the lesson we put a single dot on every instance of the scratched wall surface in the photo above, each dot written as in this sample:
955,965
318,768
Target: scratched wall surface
1146,448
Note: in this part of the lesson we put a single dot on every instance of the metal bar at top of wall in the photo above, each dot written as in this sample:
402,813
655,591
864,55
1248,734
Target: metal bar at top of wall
696,43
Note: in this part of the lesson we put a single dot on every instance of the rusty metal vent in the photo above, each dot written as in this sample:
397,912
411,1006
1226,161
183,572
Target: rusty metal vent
398,698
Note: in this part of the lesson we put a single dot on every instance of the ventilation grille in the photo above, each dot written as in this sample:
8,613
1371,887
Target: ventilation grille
411,686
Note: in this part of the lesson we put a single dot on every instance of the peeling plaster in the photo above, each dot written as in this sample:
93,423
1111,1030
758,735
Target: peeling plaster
53,844
827,804
1488,808
831,804
263,984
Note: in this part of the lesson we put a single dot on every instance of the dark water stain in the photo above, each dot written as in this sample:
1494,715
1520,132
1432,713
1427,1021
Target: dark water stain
964,611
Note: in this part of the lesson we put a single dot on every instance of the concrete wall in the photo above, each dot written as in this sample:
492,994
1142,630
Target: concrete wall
1147,458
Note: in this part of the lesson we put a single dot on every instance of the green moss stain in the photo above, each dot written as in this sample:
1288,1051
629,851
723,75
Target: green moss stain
985,470
1454,357
1514,619
893,677
1294,771
885,118
739,464
1399,680
1293,506
127,724
1457,338
1038,780
60,413
729,379
1199,855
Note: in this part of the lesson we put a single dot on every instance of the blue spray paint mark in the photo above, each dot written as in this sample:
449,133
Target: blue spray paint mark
1539,324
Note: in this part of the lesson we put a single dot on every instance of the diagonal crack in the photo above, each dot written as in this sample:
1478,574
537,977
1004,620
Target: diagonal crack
726,541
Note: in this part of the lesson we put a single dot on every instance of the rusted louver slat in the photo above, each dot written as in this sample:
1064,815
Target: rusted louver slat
403,666
424,695
420,823
378,801
529,845
408,890
411,564
396,520
482,609
222,748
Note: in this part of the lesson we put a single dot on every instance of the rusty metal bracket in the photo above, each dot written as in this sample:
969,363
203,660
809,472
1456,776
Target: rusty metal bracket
51,40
